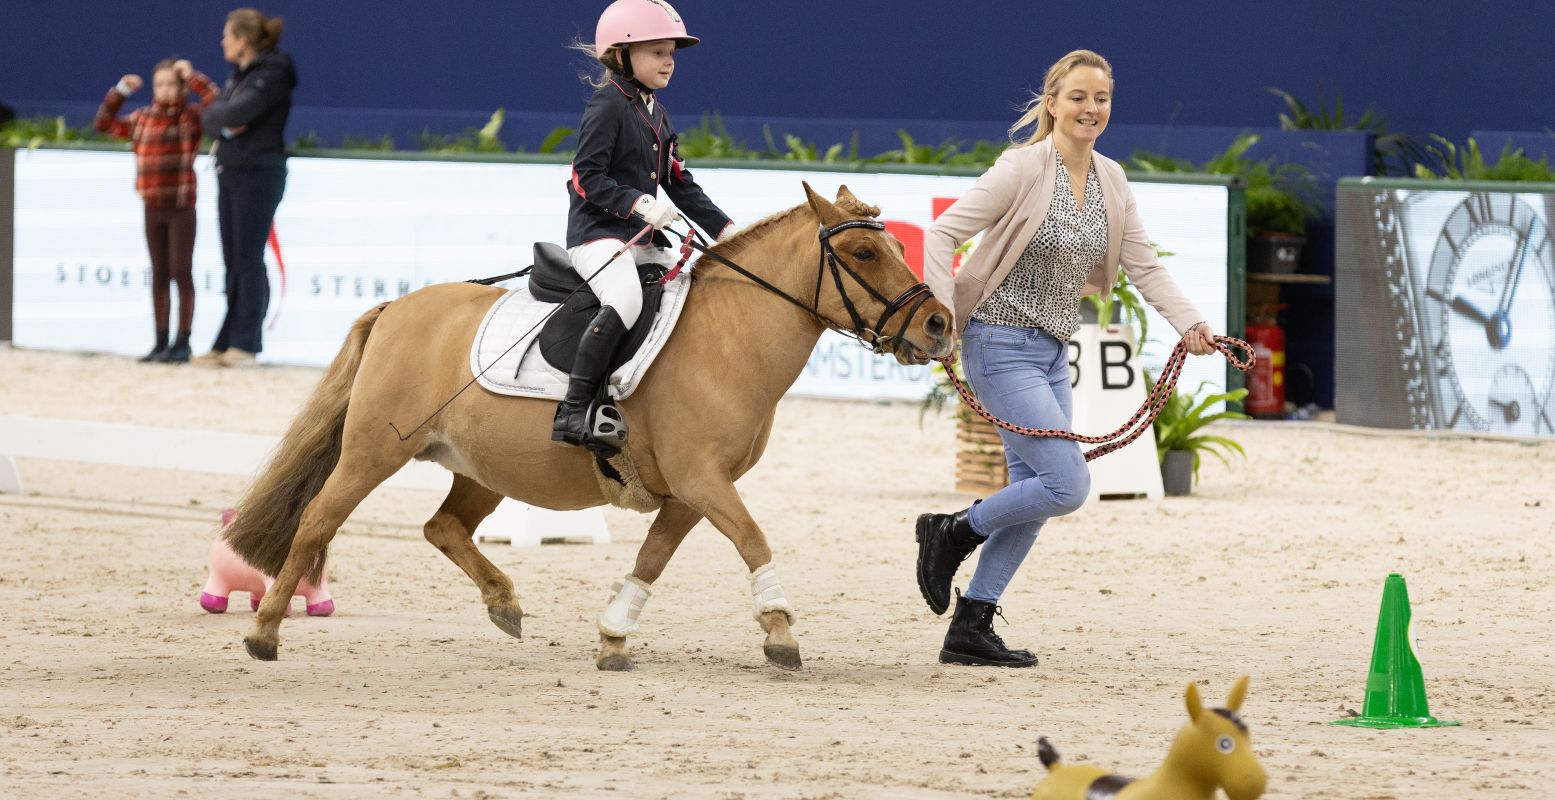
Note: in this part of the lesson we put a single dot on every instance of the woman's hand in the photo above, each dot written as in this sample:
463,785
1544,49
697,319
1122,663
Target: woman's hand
1200,339
183,69
129,84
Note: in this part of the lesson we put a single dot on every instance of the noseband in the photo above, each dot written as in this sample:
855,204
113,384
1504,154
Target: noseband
912,299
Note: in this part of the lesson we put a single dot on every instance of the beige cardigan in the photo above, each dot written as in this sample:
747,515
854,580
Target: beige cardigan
1010,201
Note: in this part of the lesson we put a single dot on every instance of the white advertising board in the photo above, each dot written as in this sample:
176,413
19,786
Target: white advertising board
351,233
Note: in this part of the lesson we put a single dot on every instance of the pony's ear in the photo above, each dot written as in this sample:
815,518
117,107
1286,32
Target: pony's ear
845,197
828,213
1238,694
1195,706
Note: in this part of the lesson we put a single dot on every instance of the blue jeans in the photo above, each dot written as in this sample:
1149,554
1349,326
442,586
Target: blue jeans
1021,375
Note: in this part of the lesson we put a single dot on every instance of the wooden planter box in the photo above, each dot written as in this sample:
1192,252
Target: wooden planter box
980,467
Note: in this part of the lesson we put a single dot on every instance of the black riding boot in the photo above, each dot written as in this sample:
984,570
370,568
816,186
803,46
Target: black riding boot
589,371
971,639
944,541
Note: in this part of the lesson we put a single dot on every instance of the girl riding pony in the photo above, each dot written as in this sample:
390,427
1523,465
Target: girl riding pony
626,151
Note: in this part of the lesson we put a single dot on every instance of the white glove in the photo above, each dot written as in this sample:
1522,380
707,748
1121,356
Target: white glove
659,214
728,231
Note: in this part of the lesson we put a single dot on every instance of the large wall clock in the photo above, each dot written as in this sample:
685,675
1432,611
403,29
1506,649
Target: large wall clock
1486,316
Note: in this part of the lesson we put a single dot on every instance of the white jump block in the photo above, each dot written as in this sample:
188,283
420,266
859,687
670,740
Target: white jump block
1109,388
244,454
10,476
522,525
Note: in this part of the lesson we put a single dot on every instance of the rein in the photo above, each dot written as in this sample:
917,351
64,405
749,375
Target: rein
1120,438
915,295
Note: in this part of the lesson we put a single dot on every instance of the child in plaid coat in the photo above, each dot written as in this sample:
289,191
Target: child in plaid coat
165,136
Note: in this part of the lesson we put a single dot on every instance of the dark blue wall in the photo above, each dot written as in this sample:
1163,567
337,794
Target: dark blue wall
1432,67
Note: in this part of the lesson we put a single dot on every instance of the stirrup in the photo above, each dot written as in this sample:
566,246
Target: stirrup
606,429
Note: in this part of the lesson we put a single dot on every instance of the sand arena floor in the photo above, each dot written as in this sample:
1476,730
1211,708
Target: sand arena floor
113,682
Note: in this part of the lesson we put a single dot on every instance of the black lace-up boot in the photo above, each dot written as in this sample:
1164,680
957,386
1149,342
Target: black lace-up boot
589,371
944,541
971,639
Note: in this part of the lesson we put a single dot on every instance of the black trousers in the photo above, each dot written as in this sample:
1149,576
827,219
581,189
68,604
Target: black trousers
245,205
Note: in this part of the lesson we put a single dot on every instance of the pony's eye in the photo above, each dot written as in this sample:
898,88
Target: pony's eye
1225,744
863,254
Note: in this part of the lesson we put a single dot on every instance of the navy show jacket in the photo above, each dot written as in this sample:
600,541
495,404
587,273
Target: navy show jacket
626,151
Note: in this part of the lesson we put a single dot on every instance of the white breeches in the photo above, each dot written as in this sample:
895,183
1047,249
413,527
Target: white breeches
617,285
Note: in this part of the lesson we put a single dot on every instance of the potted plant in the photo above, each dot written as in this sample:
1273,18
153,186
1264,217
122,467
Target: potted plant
1179,439
1275,197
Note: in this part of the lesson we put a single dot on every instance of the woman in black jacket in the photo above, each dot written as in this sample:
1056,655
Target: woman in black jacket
248,121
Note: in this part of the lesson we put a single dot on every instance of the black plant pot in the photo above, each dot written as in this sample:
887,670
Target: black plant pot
1274,252
1177,473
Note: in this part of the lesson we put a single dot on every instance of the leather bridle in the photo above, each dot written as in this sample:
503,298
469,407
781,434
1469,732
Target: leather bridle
872,335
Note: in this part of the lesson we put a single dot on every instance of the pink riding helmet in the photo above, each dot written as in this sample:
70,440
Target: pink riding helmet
630,21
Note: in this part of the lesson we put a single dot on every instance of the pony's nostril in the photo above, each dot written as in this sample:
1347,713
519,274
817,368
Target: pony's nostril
936,325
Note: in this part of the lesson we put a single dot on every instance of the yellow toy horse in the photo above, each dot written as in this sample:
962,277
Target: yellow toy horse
1212,750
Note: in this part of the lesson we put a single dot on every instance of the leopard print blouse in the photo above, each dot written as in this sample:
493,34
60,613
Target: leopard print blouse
1042,290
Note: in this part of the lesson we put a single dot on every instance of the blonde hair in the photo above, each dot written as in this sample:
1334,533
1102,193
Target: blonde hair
1035,110
612,59
261,32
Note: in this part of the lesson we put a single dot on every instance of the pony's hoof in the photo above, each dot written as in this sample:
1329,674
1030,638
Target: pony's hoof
783,656
321,609
616,663
260,649
213,603
509,619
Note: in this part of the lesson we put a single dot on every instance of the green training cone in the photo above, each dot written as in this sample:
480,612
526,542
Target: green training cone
1395,689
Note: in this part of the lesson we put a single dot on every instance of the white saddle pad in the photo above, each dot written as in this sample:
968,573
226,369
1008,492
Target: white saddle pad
520,370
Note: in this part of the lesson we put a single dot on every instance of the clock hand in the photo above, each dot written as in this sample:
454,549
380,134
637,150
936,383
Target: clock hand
1462,305
1510,409
1505,308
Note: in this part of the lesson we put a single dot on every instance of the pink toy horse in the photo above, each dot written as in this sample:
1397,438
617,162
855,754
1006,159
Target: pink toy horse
230,573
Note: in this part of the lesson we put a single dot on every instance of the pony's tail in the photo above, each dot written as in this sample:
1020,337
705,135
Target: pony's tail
267,517
1046,753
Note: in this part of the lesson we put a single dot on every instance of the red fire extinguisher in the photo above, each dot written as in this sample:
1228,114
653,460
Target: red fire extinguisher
1266,381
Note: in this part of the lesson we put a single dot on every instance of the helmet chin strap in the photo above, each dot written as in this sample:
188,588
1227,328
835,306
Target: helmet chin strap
626,69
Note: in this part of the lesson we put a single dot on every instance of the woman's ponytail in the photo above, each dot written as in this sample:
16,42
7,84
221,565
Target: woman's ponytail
263,32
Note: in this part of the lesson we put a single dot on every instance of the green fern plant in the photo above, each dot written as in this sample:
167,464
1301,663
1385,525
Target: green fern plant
1179,425
1124,297
911,152
484,139
1276,196
553,140
797,149
1467,163
32,132
384,143
711,139
1302,118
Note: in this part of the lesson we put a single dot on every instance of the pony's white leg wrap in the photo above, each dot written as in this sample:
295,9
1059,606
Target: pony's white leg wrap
768,593
620,617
